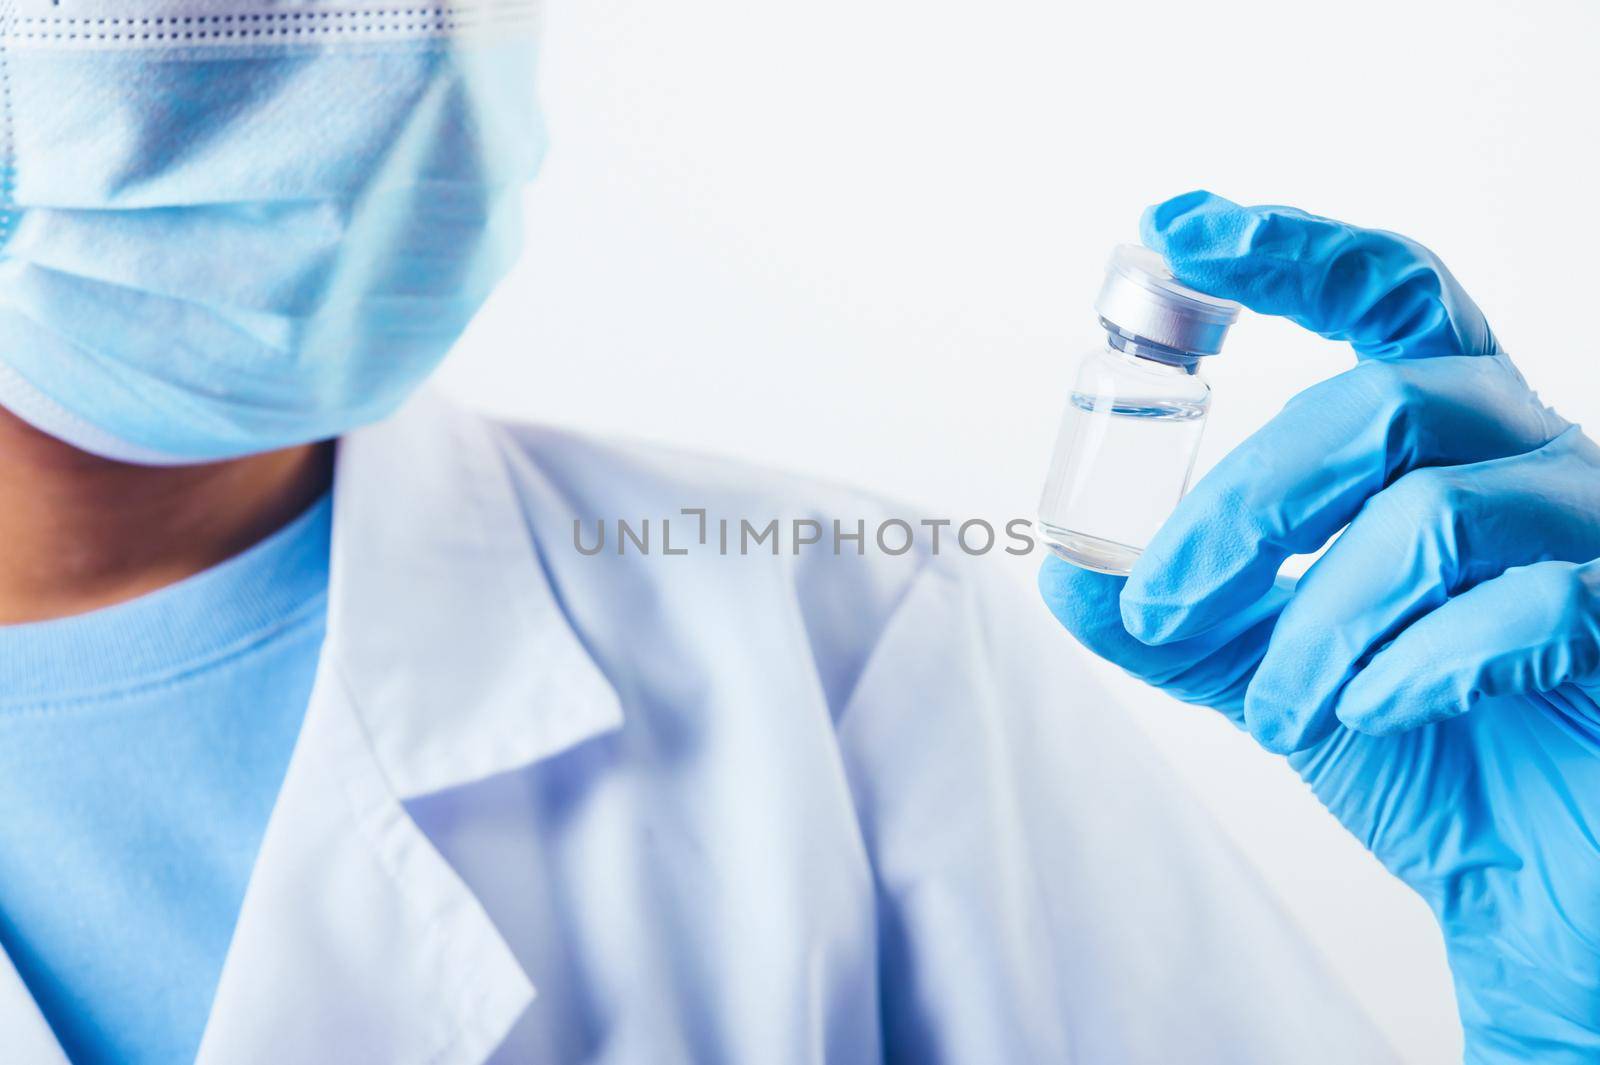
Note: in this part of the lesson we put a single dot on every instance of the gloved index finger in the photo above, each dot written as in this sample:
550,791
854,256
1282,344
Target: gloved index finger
1385,294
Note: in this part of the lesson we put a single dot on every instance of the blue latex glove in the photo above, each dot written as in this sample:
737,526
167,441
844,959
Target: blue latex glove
1436,672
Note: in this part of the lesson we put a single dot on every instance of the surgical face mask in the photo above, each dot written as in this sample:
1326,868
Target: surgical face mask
234,225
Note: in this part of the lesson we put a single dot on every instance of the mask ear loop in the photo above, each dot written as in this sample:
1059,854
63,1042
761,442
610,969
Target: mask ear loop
8,141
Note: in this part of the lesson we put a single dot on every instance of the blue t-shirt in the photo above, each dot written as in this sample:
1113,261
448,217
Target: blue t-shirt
142,748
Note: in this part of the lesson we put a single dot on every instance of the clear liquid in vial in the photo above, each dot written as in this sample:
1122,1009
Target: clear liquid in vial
1120,466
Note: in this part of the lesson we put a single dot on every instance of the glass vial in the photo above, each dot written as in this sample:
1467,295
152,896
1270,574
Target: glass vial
1134,416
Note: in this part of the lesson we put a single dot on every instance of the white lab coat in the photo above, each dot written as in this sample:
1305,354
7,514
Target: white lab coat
548,807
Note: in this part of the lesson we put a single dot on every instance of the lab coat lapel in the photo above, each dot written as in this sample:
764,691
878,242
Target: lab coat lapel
448,659
356,943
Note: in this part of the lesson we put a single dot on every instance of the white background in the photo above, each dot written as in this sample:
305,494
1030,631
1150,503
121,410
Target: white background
859,238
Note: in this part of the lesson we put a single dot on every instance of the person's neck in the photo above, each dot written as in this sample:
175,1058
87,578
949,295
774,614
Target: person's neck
79,532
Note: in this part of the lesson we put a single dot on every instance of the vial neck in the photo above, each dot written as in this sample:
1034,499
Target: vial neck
1175,359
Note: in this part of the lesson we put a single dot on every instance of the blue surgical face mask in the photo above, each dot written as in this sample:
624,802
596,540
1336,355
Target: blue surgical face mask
236,225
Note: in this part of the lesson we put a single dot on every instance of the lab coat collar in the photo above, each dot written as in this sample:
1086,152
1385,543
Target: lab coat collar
448,659
441,618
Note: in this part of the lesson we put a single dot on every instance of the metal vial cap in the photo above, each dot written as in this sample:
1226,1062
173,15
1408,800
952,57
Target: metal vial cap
1142,299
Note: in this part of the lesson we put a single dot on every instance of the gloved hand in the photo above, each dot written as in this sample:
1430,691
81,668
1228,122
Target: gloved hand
1434,676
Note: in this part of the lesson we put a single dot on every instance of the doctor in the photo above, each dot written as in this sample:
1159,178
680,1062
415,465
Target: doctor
319,741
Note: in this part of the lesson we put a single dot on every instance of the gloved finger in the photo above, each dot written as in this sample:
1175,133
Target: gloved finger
1212,670
1528,631
1387,295
1431,535
1302,477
